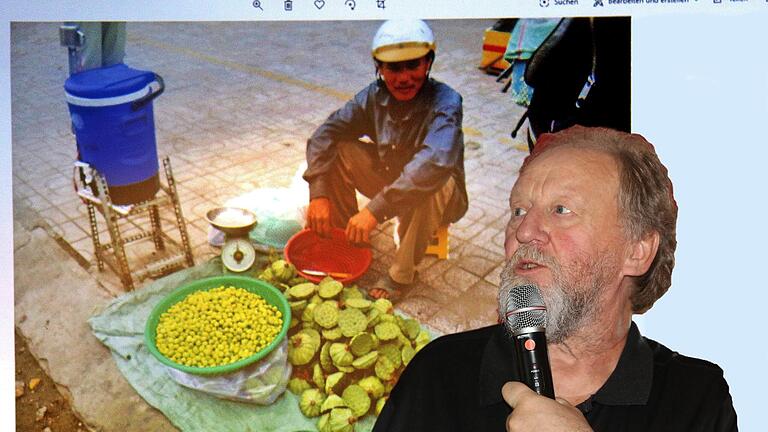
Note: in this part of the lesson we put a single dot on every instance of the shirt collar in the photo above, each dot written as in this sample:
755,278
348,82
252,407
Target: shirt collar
629,384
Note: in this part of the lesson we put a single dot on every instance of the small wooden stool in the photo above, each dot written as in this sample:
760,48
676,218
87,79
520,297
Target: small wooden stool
438,245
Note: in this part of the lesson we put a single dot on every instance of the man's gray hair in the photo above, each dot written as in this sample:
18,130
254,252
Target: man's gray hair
646,202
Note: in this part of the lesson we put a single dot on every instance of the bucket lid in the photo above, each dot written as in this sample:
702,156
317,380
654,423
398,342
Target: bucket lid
108,82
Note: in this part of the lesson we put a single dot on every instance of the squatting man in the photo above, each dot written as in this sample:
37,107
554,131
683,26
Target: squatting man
592,225
399,142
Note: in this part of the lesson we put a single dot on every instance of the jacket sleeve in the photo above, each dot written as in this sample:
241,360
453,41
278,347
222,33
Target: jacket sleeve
725,418
346,123
441,151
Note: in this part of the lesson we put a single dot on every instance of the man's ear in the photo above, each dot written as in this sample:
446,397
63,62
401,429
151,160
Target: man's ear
641,254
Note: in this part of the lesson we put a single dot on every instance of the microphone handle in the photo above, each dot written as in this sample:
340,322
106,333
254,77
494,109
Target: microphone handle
533,361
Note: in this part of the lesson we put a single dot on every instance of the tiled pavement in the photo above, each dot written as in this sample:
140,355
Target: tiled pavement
240,102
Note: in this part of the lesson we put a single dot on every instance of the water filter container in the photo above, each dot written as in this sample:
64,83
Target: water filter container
113,121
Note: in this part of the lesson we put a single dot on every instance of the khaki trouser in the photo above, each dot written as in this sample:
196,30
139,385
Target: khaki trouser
355,170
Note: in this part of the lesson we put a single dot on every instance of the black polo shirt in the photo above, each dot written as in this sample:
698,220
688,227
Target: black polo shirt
454,384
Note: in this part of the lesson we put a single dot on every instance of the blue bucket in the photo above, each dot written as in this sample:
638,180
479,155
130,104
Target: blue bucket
111,111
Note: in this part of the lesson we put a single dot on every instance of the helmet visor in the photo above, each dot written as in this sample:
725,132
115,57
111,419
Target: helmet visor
402,51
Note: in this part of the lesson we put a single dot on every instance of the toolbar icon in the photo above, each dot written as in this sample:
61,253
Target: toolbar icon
380,4
351,4
544,3
288,5
598,3
319,4
257,5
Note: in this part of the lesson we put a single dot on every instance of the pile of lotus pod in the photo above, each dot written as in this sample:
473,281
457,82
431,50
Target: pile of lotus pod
347,351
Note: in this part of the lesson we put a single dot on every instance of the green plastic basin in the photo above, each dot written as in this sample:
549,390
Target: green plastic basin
269,293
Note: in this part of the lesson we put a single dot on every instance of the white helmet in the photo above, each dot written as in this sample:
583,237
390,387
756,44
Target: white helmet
402,40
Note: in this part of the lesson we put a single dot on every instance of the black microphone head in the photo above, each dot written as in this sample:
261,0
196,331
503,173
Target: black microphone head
522,307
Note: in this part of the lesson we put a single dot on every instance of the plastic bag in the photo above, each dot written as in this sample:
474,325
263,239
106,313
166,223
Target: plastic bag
280,213
260,383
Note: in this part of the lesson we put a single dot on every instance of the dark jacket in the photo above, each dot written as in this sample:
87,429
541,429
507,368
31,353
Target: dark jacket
419,143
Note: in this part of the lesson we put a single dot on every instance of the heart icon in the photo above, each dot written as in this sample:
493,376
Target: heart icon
319,4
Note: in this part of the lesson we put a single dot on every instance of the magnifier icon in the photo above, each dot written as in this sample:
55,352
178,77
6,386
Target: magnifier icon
257,4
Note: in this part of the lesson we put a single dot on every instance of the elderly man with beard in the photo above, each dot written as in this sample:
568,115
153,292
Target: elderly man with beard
593,227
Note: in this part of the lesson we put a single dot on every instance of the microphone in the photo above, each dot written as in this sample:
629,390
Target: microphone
525,318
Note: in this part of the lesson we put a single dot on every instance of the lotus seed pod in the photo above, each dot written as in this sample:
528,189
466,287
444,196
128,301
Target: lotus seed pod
410,328
366,361
302,290
346,369
296,280
380,405
373,386
384,368
326,314
301,349
342,420
373,316
267,275
357,400
314,336
310,402
392,352
384,306
309,313
317,376
331,334
282,270
310,325
332,382
359,303
325,357
351,293
297,307
331,402
361,344
329,288
422,338
290,270
352,321
375,341
386,331
340,354
407,354
278,266
322,423
298,385
388,318
402,340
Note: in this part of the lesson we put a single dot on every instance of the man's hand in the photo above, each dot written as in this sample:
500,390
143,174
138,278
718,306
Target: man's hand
319,216
360,225
534,412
